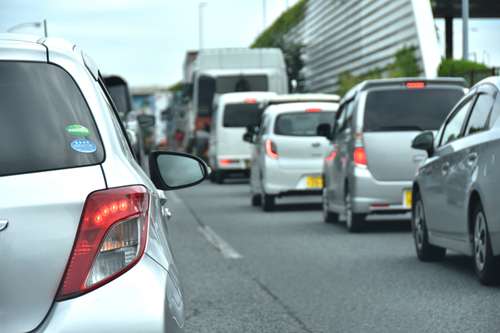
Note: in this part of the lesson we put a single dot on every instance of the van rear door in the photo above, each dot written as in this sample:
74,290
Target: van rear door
392,119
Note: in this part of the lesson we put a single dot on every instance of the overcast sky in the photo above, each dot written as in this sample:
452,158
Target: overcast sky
145,40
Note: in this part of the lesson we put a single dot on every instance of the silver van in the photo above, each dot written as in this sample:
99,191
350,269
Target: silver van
371,165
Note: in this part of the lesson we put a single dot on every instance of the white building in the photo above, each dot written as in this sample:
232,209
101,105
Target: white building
357,36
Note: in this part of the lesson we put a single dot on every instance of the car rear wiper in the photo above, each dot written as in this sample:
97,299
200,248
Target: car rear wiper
398,128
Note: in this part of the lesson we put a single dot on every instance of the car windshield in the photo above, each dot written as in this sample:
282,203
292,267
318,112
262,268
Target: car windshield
242,115
45,123
409,109
301,123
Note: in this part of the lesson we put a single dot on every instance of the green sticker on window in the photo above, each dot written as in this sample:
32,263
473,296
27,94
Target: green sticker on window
78,130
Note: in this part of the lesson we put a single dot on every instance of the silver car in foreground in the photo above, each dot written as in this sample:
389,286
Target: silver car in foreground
83,235
456,188
371,164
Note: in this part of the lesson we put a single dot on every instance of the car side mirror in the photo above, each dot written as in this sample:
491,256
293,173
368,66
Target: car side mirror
424,141
324,130
172,170
249,137
146,121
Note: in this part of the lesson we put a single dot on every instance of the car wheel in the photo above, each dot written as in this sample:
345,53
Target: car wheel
328,216
354,222
219,177
268,202
256,200
425,250
485,264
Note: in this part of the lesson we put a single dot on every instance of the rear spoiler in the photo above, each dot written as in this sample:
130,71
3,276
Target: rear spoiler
303,98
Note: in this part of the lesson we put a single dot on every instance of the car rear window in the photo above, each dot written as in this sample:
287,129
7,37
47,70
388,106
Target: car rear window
409,109
301,123
45,123
242,115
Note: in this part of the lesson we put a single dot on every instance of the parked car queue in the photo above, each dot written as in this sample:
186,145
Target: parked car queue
392,147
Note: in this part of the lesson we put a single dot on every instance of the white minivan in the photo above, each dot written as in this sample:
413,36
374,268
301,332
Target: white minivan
233,113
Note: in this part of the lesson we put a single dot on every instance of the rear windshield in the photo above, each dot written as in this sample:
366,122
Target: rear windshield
242,115
301,124
409,109
45,123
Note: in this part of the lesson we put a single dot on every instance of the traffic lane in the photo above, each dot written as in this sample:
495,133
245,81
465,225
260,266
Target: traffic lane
332,280
218,297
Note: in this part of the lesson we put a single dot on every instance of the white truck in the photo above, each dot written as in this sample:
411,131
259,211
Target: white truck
219,71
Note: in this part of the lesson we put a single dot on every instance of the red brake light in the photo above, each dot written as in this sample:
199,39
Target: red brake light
227,162
360,156
313,110
271,149
331,156
110,240
415,85
250,101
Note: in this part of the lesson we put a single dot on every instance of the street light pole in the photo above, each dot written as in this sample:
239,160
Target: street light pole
45,32
201,6
264,14
465,29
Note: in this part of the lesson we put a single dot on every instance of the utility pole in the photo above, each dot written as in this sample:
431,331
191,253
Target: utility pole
45,32
465,29
201,7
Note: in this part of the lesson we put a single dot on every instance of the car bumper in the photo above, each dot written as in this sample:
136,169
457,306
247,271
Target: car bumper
144,299
279,181
370,196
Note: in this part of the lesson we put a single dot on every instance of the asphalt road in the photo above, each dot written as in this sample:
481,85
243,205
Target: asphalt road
244,270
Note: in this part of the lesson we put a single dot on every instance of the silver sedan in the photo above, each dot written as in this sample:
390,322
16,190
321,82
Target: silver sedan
456,188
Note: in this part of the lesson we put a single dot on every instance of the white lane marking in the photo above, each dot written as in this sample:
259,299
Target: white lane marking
174,197
225,249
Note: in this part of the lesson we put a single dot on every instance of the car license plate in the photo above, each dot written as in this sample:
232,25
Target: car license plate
407,198
314,182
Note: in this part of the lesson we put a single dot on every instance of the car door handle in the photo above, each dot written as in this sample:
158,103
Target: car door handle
472,158
445,168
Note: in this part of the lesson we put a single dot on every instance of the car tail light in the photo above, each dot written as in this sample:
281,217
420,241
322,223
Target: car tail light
415,85
250,101
227,162
360,156
313,110
331,156
271,149
111,239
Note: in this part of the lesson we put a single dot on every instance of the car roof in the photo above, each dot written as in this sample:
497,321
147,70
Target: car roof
494,80
274,110
240,97
299,98
36,48
394,82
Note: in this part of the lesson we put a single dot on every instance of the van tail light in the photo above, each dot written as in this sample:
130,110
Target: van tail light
110,240
271,149
360,156
331,156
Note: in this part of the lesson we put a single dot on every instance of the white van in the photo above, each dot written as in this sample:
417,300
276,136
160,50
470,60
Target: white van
228,154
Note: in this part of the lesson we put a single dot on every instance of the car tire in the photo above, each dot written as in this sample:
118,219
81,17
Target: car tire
354,222
485,263
328,216
219,177
256,200
268,202
425,251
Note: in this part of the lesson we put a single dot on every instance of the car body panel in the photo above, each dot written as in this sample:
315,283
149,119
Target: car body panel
43,221
151,294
